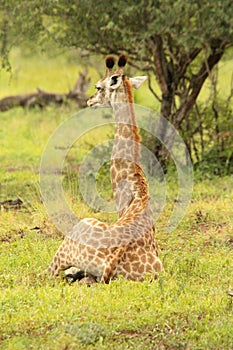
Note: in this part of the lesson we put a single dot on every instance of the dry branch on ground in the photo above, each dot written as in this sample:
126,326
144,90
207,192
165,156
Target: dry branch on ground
43,98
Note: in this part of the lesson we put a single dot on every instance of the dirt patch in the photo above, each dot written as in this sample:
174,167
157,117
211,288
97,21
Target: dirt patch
11,204
8,238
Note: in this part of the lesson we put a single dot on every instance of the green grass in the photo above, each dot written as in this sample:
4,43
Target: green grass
28,72
186,308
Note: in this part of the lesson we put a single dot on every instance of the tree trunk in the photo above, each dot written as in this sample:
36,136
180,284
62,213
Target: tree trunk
170,75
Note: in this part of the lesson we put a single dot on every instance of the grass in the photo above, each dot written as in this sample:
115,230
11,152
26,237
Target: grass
186,308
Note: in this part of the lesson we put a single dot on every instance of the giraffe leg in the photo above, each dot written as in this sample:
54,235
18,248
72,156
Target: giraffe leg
138,263
60,261
111,264
57,265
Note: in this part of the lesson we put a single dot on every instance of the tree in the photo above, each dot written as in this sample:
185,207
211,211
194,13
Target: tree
176,41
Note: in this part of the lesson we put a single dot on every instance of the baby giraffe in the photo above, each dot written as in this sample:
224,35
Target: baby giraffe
127,247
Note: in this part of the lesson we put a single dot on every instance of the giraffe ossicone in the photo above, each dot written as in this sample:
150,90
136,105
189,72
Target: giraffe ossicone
128,246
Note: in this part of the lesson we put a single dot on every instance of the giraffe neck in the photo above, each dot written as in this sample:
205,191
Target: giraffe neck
127,177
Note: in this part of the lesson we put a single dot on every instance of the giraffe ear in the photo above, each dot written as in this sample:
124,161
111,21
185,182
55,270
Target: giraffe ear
115,81
136,82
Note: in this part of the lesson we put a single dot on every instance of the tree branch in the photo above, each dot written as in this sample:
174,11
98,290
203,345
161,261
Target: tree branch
197,82
152,90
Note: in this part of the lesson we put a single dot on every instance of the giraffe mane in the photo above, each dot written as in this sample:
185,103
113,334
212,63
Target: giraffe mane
137,139
129,91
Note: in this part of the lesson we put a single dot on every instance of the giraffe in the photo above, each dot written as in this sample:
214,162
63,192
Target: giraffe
128,246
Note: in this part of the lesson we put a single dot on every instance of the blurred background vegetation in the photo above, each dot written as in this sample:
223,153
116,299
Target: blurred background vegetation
185,48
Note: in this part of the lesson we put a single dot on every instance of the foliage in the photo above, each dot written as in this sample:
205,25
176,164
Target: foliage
179,43
213,135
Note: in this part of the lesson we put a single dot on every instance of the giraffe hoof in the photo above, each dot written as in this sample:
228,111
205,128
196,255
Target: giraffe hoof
73,277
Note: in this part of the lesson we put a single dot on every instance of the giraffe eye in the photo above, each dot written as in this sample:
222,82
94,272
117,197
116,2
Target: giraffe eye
98,88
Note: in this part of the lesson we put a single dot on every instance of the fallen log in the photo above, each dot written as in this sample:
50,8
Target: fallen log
43,98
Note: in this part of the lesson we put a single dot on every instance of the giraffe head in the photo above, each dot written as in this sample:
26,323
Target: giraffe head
112,88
